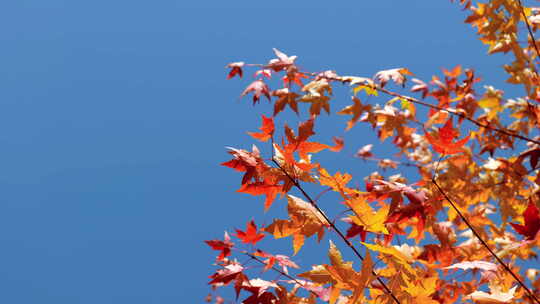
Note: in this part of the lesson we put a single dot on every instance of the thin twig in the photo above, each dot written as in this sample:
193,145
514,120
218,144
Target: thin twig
334,227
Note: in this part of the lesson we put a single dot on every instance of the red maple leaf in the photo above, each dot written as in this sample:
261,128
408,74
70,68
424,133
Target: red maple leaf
444,142
256,180
532,222
249,162
236,69
223,246
267,129
258,87
250,235
271,190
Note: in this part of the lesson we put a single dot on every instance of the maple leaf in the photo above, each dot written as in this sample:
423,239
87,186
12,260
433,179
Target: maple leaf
257,179
282,62
236,69
267,129
258,87
338,182
356,110
532,222
270,190
494,297
244,161
302,146
250,236
397,75
285,97
304,221
343,276
315,95
365,216
443,143
294,77
223,246
492,105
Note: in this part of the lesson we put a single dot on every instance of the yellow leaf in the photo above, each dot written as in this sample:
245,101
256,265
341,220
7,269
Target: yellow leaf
425,287
491,105
364,215
400,258
368,89
406,104
337,182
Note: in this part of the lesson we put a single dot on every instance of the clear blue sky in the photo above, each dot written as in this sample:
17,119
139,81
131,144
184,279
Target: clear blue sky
114,116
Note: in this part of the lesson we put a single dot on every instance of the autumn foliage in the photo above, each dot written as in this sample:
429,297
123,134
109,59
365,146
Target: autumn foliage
453,217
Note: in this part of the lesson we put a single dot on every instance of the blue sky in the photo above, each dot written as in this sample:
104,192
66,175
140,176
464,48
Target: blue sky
114,116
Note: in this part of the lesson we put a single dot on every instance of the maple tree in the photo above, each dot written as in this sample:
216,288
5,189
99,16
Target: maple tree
467,204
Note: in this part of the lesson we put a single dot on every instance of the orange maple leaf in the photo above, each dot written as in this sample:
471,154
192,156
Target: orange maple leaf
267,129
295,77
250,236
262,188
443,143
